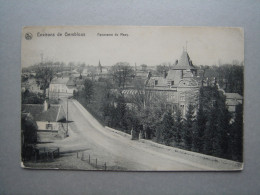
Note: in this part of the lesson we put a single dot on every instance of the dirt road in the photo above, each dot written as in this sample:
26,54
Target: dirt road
88,135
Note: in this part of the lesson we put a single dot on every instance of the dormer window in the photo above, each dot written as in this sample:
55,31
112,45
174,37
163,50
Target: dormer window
182,98
49,127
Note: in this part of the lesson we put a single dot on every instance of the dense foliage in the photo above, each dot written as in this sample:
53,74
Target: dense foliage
205,128
29,136
209,131
32,98
229,77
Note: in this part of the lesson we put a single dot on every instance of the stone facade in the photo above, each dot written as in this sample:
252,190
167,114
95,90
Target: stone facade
180,85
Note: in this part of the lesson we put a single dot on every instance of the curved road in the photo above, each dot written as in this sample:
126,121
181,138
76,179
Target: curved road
86,134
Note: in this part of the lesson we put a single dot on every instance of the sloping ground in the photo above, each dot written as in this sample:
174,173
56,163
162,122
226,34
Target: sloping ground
117,150
202,159
67,161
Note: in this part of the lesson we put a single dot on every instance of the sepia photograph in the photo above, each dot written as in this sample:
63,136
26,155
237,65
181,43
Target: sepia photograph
132,98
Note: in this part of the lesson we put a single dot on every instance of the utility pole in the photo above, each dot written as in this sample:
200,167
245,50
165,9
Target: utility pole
67,117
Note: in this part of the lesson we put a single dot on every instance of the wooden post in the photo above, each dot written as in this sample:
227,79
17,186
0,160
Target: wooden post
52,155
82,158
132,134
67,118
140,135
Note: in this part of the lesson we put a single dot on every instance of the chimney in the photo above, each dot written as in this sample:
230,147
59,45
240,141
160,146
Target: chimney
164,74
45,105
149,75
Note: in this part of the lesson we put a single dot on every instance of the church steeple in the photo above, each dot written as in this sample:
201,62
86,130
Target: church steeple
99,67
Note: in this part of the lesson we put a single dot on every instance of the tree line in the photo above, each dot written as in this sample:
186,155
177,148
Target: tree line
229,76
205,128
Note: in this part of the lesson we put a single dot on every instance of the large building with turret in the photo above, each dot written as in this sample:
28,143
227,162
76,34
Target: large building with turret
180,85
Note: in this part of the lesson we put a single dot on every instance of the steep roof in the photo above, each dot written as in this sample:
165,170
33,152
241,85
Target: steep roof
233,96
184,63
63,80
71,82
232,102
161,82
54,113
171,75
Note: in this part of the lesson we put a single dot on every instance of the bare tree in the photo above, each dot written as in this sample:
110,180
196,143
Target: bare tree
81,68
121,73
44,74
149,105
92,71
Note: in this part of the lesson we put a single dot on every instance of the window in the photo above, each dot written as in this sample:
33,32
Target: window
170,97
49,126
172,82
156,82
182,108
182,98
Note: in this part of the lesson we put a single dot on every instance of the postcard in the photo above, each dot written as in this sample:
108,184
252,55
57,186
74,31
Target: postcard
132,98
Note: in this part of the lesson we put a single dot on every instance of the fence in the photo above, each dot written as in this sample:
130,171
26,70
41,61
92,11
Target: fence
46,154
91,160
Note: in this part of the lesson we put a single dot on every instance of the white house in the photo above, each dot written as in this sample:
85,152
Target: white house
49,119
59,88
232,100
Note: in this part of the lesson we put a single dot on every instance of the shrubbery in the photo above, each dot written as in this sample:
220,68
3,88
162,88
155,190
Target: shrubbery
205,128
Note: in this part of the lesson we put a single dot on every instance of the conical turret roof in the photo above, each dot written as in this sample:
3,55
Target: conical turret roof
184,63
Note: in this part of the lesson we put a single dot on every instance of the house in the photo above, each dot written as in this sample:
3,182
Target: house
180,85
232,100
49,119
59,88
76,83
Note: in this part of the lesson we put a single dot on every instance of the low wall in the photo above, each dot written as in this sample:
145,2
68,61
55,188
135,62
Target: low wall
204,159
214,162
118,132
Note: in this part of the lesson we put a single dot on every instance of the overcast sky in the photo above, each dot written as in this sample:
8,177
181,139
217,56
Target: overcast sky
143,45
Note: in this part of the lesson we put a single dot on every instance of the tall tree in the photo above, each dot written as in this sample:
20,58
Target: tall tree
29,135
88,90
44,74
210,130
178,128
188,127
121,112
237,135
149,107
223,128
199,129
80,68
162,68
167,128
121,73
